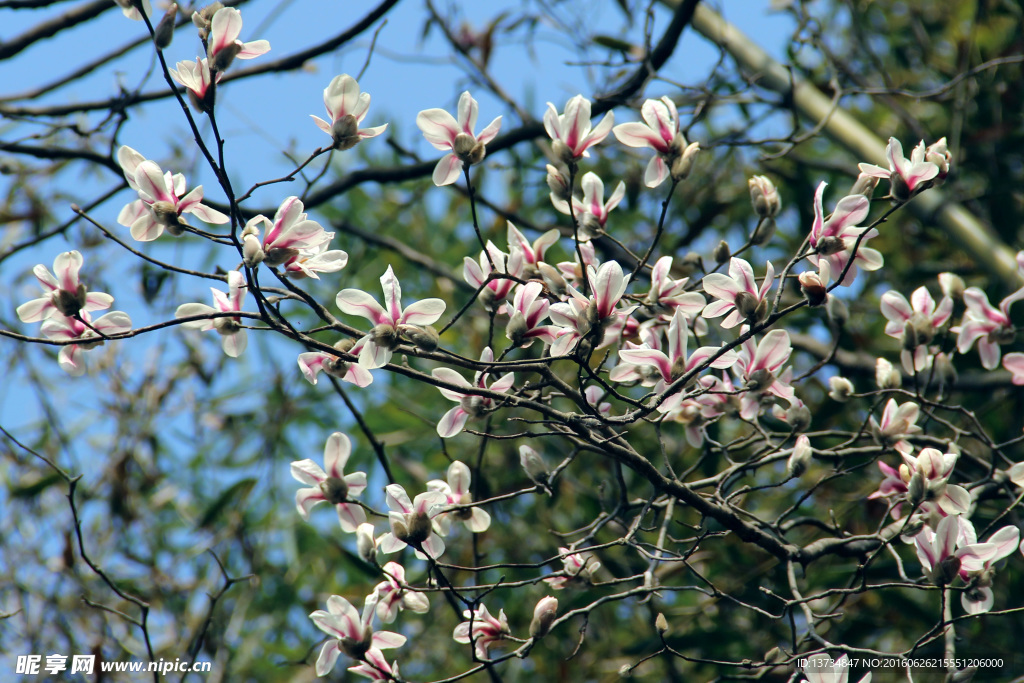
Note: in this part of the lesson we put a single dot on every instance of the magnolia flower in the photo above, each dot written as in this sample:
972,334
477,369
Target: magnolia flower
532,252
759,368
393,597
457,492
668,295
738,294
86,331
575,567
350,633
229,327
886,376
924,479
581,317
976,567
660,132
347,108
571,131
292,241
544,614
482,630
834,239
823,669
937,550
223,46
897,423
915,323
529,308
313,362
498,289
470,405
333,485
445,133
198,82
64,294
814,286
160,204
592,211
671,366
987,325
411,522
385,336
909,176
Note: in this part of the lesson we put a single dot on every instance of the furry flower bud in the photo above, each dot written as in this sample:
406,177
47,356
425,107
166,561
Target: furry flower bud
544,614
764,196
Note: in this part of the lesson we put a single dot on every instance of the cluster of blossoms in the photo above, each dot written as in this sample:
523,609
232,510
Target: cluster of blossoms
571,309
64,311
419,523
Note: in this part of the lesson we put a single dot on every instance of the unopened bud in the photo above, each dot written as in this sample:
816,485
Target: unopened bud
917,489
746,304
814,290
944,370
798,417
422,336
829,245
690,263
764,196
682,166
203,18
516,329
414,530
366,546
865,185
252,251
887,377
900,191
563,152
837,311
842,389
952,286
534,466
544,615
764,232
70,303
553,279
385,335
759,380
558,183
164,31
722,253
910,341
335,490
775,656
661,624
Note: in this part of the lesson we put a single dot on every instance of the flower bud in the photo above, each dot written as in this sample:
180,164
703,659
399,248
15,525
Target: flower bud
690,263
164,31
775,656
252,251
516,329
366,545
682,166
277,256
887,377
814,290
553,279
842,389
544,615
799,458
534,466
798,417
764,196
661,624
865,185
422,336
203,18
166,214
746,303
759,380
917,490
563,152
829,245
952,286
764,232
558,183
899,190
722,253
